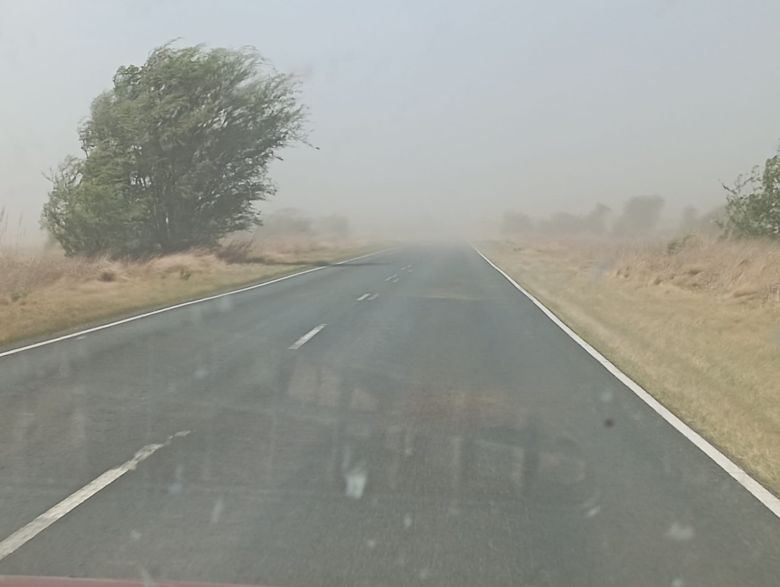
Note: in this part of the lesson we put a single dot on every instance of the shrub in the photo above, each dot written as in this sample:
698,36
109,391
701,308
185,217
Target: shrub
753,206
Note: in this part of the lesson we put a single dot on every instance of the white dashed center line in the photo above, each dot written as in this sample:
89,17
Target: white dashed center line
373,297
392,277
363,297
306,337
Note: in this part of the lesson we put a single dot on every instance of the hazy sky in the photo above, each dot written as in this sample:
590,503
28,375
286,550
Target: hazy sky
456,108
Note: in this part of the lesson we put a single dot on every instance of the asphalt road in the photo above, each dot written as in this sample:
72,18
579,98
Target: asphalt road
438,430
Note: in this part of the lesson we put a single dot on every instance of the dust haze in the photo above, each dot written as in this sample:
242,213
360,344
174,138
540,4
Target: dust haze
436,118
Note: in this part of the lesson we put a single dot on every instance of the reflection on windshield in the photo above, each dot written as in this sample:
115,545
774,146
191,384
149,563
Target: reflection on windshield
461,446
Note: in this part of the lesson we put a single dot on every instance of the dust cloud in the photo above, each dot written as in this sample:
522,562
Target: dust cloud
435,119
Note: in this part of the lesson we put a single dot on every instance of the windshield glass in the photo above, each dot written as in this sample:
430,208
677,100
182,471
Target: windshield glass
359,294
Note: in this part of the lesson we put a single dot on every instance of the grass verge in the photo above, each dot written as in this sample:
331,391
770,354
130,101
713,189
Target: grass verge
696,323
46,294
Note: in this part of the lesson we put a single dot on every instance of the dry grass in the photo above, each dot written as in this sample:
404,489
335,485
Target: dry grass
44,293
721,267
696,323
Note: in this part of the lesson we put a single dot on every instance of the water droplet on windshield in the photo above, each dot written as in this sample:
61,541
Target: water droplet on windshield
177,486
680,532
593,512
216,511
356,479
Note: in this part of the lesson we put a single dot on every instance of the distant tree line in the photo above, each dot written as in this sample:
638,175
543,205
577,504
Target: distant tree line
752,209
291,222
639,217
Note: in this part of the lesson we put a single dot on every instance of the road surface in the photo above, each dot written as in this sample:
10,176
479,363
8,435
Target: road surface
408,418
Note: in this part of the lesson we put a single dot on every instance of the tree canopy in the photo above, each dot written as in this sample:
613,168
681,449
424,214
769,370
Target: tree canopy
176,154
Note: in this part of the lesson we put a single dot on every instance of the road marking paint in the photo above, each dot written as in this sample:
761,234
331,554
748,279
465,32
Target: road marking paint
373,297
26,533
363,297
741,476
306,337
180,305
391,277
406,268
395,279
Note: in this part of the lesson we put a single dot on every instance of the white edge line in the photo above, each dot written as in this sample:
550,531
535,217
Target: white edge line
741,476
306,337
177,306
30,530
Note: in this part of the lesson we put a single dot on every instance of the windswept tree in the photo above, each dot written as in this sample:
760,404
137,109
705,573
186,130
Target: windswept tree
176,154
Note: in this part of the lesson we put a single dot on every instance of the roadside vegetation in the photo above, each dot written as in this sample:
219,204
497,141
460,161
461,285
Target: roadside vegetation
691,313
176,154
162,206
43,293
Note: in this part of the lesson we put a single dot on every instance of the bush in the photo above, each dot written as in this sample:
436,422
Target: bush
753,203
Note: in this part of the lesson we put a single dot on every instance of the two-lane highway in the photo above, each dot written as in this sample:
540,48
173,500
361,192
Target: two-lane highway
409,418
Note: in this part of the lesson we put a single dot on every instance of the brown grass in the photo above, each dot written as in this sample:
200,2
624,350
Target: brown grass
696,323
46,293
